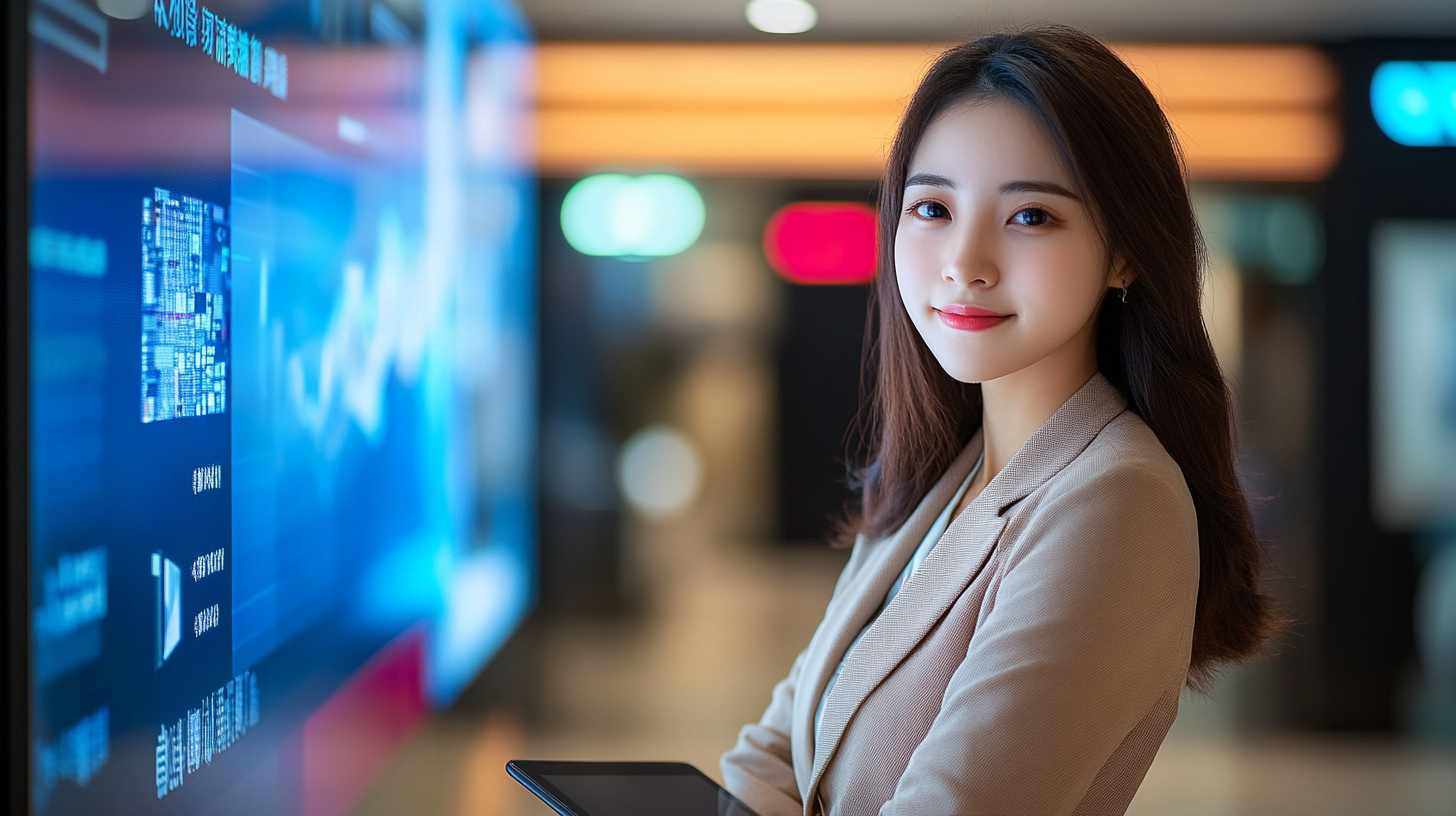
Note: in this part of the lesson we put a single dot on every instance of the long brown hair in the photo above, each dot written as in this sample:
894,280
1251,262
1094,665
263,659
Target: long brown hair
1122,155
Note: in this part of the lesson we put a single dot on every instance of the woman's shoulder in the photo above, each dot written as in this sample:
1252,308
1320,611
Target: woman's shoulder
1125,450
1123,483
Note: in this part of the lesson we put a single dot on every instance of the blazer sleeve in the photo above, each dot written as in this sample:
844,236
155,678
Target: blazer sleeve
1091,627
760,767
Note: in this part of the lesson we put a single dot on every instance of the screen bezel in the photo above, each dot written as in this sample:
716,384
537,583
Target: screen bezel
14,320
532,773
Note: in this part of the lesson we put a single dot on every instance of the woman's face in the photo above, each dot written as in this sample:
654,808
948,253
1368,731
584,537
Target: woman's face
997,259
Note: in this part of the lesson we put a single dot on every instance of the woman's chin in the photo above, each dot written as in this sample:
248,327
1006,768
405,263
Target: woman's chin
972,375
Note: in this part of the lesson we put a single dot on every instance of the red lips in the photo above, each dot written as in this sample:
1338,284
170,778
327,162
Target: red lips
970,318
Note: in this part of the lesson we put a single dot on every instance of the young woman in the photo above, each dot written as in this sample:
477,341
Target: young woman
1052,541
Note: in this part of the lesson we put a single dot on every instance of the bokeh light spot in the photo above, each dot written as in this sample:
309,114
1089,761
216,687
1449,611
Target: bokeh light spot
1415,102
618,216
822,242
658,471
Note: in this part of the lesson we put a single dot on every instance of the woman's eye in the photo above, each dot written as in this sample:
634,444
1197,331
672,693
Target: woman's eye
931,210
1031,217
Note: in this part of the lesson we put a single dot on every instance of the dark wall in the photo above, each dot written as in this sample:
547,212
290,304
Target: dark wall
580,552
818,386
1366,648
818,380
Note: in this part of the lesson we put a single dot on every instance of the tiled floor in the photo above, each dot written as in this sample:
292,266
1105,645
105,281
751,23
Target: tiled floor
725,625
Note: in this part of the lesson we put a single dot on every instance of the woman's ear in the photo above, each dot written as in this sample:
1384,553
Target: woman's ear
1120,276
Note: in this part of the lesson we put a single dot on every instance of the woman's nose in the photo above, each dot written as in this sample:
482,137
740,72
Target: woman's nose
972,258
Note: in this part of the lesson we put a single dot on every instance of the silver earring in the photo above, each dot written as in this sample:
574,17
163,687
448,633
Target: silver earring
1123,294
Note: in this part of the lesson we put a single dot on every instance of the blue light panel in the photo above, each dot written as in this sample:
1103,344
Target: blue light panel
1415,102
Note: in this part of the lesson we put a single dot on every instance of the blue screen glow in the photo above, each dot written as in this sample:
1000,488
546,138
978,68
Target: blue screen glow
282,388
1415,102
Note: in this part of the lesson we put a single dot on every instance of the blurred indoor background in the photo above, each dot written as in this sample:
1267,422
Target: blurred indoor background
705,239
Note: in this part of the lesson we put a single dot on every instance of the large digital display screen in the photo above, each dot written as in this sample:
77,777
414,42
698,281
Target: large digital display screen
282,389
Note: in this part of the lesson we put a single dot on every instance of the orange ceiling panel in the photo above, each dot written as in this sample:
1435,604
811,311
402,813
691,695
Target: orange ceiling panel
1234,76
790,144
1257,145
729,75
828,111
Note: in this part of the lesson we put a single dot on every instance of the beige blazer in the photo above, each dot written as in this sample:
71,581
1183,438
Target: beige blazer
1032,665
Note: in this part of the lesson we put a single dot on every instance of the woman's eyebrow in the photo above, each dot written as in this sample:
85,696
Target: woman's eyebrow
1038,186
1018,186
930,180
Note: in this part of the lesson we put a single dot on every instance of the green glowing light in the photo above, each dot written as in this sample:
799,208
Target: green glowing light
617,216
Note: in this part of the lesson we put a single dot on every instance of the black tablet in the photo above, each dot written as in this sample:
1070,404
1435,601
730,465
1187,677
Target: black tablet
625,789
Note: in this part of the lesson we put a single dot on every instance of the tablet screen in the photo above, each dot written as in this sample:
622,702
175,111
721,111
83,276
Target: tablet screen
628,788
647,796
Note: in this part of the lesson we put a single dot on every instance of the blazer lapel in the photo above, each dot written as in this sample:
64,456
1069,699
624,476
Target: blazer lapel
950,567
1057,442
920,604
853,608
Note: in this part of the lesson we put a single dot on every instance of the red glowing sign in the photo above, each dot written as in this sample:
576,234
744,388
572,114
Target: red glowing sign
822,242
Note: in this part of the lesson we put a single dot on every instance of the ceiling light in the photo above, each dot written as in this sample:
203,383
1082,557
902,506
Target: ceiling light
124,9
781,16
